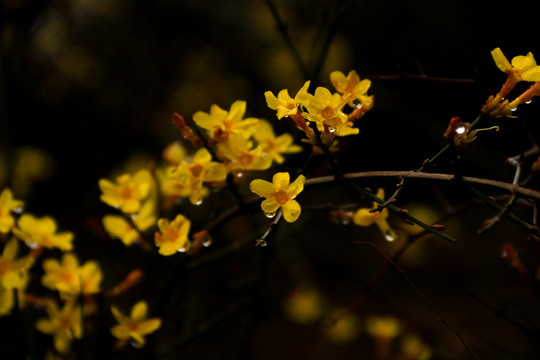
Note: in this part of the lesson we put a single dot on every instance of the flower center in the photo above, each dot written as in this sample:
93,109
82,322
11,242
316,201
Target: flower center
282,197
196,170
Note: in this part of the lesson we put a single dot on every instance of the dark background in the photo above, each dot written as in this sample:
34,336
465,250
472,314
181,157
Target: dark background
94,83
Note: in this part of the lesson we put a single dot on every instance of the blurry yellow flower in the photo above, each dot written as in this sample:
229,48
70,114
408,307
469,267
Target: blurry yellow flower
38,232
13,275
7,205
172,237
119,228
128,192
523,67
342,326
283,103
69,278
240,156
351,87
65,325
272,145
413,348
280,194
383,327
191,176
364,217
134,327
220,123
174,153
304,306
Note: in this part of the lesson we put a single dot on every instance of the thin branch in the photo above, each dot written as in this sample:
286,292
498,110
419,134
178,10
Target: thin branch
419,292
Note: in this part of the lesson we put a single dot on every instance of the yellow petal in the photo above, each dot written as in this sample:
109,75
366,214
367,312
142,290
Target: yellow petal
281,180
291,211
138,312
237,110
149,326
270,206
363,217
500,60
296,187
262,188
271,100
10,250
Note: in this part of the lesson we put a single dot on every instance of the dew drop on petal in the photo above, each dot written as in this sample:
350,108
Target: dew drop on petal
270,215
528,102
198,202
18,210
182,249
514,109
461,130
32,245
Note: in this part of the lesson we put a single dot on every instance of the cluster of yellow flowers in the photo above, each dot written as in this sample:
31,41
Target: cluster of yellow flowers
522,68
66,277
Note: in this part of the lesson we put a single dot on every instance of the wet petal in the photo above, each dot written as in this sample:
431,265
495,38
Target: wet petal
262,188
291,211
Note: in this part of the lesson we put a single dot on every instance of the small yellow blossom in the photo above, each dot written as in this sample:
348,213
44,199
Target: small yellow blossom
239,155
65,325
192,176
7,205
119,228
272,145
13,275
385,327
341,326
172,236
304,306
523,67
352,88
38,232
220,123
364,217
280,194
134,327
69,278
283,103
324,108
128,192
174,153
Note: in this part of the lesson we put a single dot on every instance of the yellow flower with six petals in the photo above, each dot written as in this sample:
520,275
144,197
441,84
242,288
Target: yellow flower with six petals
172,236
128,192
283,103
352,87
65,324
274,145
135,326
280,194
38,232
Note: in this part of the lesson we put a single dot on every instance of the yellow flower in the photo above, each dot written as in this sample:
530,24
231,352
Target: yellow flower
69,278
13,275
383,327
220,123
191,176
304,306
134,327
279,194
272,145
7,205
363,217
38,232
351,87
342,326
119,228
523,67
240,156
173,236
65,325
283,103
128,192
174,153
413,348
325,109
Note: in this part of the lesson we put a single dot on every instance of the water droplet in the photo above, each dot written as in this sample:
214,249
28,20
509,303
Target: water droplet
133,216
514,109
182,249
270,215
332,130
198,202
239,174
261,242
345,220
461,130
389,236
32,245
207,242
18,210
528,102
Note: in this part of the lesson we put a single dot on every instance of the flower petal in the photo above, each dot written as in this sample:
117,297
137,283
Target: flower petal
291,211
262,188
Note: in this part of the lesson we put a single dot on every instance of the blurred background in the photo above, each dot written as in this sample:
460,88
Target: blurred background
88,88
